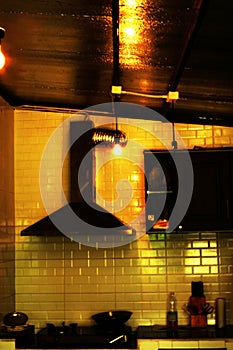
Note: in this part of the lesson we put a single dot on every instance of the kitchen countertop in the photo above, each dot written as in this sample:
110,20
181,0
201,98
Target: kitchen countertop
184,332
69,341
157,332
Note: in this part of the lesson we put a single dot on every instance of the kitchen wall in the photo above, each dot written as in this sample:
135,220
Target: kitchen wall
7,234
60,280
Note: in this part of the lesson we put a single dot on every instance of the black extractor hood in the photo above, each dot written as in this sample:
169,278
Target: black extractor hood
82,220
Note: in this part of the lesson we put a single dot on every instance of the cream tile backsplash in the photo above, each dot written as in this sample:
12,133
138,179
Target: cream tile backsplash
59,280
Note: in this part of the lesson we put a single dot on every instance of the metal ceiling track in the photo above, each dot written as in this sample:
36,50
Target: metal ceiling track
198,11
116,46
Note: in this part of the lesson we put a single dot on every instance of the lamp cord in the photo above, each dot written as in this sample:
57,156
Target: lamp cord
116,123
114,112
174,142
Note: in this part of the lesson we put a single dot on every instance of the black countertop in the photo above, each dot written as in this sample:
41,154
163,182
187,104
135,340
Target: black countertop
142,332
87,340
184,332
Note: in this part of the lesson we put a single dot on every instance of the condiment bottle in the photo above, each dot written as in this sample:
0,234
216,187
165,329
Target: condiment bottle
172,315
220,309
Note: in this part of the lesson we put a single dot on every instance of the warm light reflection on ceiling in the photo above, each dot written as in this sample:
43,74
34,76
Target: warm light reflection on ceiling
131,33
144,83
132,3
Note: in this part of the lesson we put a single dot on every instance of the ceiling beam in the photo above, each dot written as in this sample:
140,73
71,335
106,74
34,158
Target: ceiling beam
198,11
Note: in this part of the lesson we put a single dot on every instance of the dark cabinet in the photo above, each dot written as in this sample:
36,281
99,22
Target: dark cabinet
209,205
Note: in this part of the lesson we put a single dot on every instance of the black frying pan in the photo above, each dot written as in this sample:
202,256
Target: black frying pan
112,318
14,319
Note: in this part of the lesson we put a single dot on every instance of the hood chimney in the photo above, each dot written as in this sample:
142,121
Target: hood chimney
97,222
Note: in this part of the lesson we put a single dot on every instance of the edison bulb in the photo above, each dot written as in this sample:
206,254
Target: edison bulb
2,59
117,150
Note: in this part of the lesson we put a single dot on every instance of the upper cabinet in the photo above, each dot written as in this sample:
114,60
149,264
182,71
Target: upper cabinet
189,191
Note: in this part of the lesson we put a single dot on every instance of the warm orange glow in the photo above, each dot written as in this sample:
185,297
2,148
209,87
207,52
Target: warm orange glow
132,3
161,224
114,186
135,177
135,202
131,33
144,84
2,59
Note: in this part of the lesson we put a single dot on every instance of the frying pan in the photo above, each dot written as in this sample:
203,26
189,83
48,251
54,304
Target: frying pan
112,318
14,319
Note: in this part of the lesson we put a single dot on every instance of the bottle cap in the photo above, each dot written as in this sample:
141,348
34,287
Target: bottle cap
197,289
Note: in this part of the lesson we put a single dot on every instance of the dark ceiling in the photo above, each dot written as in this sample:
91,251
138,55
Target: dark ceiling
60,55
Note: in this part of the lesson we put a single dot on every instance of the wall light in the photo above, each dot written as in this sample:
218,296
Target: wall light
2,57
109,137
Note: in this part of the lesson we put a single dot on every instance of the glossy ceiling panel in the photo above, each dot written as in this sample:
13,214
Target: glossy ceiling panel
209,68
60,54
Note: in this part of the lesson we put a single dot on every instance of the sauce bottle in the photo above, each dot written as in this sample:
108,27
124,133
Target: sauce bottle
220,309
172,315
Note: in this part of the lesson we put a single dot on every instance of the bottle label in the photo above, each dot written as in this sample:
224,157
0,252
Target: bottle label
172,316
172,319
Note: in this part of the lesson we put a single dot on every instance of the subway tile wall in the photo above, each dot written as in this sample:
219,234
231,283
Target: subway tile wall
60,280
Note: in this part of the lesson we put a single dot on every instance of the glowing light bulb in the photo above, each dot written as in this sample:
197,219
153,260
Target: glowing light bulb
2,59
117,150
135,177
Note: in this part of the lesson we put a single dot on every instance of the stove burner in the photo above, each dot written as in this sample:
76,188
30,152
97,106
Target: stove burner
68,336
51,329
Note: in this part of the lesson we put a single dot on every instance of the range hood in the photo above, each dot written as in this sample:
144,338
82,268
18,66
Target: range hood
94,220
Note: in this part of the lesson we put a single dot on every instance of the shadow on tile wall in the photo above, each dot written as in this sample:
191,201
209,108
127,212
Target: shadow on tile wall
7,229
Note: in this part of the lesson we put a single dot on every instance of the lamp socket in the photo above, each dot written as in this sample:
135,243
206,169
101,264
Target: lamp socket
172,96
116,90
